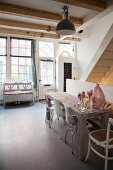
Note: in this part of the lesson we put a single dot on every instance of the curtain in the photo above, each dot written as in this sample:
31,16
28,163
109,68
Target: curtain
34,73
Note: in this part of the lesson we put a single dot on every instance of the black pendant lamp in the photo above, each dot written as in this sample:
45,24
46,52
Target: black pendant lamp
65,27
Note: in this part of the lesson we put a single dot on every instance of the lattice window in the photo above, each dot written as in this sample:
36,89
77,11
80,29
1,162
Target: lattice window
47,72
21,60
46,49
66,50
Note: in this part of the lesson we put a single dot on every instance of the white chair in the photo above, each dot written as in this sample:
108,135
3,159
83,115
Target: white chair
71,121
50,91
104,139
49,111
59,111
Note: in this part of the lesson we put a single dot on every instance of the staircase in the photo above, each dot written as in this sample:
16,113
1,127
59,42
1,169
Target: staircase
104,66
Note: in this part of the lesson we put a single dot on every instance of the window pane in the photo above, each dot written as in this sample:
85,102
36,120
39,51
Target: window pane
14,43
2,60
28,44
2,42
46,49
2,77
50,72
15,51
50,80
21,61
3,69
28,52
14,60
28,77
43,72
28,61
21,77
2,51
66,50
22,52
20,47
21,66
14,69
28,69
14,77
21,69
21,43
47,72
2,46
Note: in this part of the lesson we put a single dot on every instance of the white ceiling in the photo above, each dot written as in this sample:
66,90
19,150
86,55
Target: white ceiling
49,5
53,6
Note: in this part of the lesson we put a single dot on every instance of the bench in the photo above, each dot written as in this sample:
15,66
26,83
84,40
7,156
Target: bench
18,92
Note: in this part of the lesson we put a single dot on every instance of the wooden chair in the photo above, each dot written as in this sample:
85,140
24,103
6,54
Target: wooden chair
104,139
71,121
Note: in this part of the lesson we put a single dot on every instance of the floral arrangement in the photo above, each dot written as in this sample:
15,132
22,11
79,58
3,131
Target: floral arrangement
85,95
85,100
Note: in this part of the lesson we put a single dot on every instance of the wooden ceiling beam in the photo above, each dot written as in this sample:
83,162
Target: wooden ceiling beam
34,13
95,5
13,23
32,34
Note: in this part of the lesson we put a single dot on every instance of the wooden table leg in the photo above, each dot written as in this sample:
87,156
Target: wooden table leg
82,129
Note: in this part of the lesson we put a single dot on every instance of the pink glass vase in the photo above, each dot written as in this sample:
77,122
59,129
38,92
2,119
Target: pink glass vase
98,98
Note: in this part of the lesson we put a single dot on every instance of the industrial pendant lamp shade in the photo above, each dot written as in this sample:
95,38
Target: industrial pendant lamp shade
65,27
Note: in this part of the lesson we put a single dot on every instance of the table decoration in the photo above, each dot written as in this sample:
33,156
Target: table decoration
85,100
98,98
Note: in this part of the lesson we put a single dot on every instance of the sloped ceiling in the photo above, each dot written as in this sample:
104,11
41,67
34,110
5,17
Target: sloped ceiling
104,66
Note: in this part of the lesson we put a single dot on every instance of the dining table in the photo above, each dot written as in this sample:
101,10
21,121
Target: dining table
71,101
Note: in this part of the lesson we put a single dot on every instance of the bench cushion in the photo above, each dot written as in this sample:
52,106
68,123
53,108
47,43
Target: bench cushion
18,92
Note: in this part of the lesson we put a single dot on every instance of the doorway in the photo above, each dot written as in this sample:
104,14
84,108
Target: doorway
67,73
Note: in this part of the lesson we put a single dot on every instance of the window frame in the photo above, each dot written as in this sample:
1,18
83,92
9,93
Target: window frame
51,59
11,56
20,39
48,60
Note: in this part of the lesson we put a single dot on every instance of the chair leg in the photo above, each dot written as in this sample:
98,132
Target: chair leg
51,119
72,143
106,159
106,163
55,124
88,152
66,134
72,134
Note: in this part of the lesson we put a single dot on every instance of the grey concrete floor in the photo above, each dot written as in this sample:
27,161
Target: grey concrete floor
27,143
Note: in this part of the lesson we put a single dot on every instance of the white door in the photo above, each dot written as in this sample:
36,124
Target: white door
47,76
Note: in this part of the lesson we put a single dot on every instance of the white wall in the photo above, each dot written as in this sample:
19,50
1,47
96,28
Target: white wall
75,86
87,48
